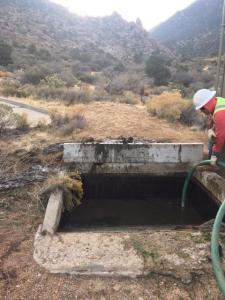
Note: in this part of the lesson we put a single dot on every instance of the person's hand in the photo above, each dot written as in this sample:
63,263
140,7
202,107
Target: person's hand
213,160
211,133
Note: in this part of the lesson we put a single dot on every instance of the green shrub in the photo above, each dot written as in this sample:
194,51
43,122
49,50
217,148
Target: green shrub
87,78
53,81
32,48
128,97
190,117
119,67
186,92
5,54
127,100
43,54
83,56
34,76
184,78
78,68
68,78
156,67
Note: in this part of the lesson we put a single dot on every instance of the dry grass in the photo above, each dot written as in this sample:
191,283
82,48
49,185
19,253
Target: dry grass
70,184
4,74
110,120
168,106
57,106
23,121
67,122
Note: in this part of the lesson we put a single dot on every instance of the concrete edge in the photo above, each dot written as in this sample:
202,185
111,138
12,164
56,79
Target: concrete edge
53,212
213,183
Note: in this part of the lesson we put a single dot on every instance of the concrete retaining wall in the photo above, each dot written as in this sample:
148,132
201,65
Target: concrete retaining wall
116,157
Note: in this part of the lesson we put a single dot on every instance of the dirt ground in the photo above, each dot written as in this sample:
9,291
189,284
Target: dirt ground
107,120
20,276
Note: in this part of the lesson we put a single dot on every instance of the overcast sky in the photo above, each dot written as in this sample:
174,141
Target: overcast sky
151,12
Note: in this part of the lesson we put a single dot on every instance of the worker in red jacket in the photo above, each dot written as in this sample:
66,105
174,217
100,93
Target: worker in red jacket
206,101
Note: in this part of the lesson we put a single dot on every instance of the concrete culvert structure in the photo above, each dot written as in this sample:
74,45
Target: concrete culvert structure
131,190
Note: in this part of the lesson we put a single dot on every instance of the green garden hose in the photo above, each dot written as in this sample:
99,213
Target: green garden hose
216,263
217,268
188,179
189,176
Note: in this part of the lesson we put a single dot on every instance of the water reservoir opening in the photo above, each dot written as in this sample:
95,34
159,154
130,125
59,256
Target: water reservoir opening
138,200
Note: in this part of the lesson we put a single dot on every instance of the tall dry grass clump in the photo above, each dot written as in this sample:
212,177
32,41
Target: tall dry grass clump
71,185
168,105
68,121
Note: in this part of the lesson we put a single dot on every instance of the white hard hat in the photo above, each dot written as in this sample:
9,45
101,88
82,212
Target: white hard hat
202,97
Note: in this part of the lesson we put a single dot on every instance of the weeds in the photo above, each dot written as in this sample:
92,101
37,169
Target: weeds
140,249
72,187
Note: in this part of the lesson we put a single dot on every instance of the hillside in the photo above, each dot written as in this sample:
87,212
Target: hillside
42,31
194,31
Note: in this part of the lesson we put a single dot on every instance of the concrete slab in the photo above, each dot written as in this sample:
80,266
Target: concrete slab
116,157
182,255
87,253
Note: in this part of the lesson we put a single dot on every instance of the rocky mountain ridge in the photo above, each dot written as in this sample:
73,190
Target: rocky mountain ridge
50,26
194,31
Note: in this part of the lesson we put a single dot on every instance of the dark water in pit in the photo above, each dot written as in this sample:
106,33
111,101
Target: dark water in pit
112,201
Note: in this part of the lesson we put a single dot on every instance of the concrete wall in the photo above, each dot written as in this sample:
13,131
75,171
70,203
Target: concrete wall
116,157
213,183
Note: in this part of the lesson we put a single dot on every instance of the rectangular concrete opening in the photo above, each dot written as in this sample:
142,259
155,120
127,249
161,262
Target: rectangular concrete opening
138,200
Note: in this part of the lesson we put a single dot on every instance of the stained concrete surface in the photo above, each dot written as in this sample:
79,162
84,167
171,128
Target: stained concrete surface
183,255
87,253
138,152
